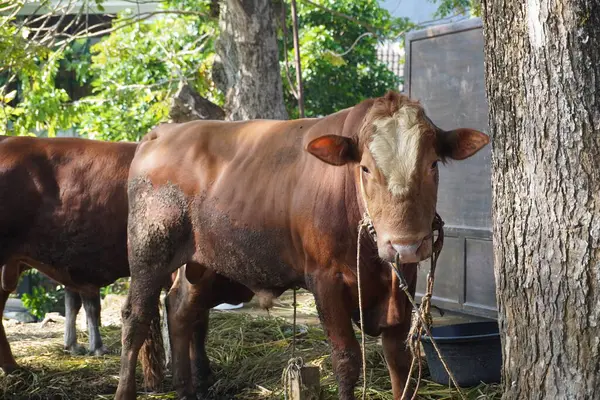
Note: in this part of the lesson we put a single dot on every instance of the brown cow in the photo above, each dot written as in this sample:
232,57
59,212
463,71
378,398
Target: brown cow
259,207
64,212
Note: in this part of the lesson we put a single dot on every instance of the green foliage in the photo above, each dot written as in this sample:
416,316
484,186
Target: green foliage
447,8
34,67
43,106
127,78
45,297
120,286
135,71
17,51
333,80
48,297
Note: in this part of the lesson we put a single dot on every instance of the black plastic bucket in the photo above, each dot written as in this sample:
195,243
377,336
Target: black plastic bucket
472,352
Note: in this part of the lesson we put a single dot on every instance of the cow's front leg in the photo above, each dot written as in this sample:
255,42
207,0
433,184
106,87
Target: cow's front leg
398,357
9,278
333,305
201,371
395,349
180,304
7,361
188,305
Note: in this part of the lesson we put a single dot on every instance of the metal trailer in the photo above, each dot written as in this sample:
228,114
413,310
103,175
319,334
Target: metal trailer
444,70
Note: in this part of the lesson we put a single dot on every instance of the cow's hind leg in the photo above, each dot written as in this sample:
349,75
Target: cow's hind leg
332,302
72,307
157,226
137,313
91,303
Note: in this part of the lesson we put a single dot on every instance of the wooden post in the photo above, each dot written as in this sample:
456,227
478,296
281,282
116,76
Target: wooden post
307,388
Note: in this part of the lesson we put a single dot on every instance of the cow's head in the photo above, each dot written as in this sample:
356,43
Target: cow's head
395,154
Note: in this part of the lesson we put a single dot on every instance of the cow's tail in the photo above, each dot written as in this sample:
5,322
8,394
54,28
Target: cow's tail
152,356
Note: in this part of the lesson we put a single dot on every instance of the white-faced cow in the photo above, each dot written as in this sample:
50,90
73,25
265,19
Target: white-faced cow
258,207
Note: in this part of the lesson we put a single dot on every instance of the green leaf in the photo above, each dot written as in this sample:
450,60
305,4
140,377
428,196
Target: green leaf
334,59
332,82
8,97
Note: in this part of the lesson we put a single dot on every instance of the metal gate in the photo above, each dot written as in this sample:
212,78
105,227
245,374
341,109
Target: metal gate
444,70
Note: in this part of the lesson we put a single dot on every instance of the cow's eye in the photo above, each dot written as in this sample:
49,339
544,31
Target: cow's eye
365,169
434,165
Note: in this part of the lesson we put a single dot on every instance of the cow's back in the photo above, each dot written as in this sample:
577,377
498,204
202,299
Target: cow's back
256,202
64,205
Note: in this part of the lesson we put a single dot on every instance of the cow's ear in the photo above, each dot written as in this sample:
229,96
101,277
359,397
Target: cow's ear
333,149
463,143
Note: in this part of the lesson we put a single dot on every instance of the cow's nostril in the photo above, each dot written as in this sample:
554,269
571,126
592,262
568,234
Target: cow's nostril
407,250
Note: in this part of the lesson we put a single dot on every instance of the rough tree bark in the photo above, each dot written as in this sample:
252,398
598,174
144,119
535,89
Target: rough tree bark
543,85
188,105
246,68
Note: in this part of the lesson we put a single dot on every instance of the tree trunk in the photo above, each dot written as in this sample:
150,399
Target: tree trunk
246,68
188,105
543,83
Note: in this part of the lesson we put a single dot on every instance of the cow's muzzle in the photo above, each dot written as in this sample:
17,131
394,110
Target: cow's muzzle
409,252
406,252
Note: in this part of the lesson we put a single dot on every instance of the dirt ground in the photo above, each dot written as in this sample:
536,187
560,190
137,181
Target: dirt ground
249,354
27,338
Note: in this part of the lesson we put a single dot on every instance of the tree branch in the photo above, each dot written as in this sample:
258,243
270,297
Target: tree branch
368,27
88,32
285,51
351,47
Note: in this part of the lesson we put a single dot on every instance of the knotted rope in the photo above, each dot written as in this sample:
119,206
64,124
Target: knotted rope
422,318
295,364
291,372
364,223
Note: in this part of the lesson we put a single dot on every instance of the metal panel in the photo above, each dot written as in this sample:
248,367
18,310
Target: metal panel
480,290
444,70
447,279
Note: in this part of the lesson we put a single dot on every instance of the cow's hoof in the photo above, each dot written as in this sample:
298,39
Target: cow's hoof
76,349
204,383
187,396
100,352
10,368
125,394
346,395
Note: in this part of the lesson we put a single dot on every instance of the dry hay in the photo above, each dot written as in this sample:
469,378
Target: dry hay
248,355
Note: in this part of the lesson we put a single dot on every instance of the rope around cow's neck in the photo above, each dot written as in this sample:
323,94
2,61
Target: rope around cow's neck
423,313
364,223
423,321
